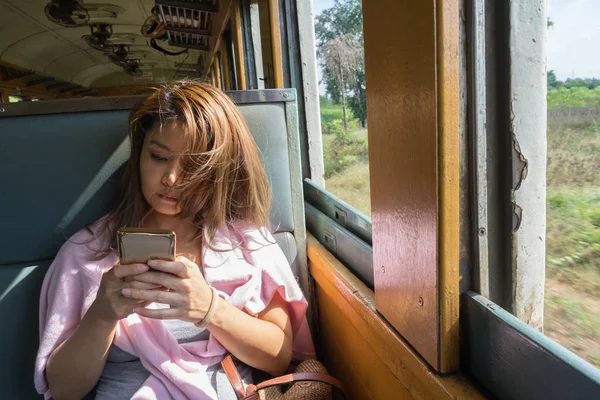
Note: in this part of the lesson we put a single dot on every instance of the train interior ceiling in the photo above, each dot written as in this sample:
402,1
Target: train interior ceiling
68,48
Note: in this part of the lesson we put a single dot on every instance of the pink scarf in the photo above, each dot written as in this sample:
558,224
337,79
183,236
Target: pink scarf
246,277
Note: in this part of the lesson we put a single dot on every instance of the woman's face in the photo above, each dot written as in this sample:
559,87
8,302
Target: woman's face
160,167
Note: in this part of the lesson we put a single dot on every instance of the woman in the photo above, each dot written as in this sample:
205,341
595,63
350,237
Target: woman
160,330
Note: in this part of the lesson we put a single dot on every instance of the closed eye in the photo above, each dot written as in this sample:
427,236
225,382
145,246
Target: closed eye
157,157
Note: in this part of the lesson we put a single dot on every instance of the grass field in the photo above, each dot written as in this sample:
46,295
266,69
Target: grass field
572,296
330,112
572,300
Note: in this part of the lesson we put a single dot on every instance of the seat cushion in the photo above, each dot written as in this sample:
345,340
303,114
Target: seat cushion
287,243
20,287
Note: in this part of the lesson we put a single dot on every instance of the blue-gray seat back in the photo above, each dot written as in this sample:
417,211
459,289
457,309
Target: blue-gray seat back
61,167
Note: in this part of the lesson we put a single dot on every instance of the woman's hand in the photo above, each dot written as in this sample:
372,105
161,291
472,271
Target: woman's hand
189,296
263,342
110,305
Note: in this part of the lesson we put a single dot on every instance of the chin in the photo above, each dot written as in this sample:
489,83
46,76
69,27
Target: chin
166,210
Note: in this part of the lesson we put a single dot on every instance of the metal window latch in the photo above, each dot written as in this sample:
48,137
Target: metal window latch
341,216
330,242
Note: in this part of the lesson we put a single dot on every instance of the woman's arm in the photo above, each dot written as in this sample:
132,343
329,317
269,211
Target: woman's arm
75,366
264,342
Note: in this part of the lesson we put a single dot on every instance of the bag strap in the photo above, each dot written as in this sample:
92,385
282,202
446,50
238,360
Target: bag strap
298,377
238,386
234,377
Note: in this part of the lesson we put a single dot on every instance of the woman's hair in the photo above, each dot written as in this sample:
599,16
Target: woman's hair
222,181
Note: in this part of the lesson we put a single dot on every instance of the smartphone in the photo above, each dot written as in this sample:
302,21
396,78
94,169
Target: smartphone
138,245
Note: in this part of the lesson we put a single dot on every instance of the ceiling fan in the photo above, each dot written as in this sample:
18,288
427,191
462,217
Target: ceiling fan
99,37
72,13
67,13
132,67
119,55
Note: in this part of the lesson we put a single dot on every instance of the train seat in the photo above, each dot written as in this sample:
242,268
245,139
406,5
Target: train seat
63,170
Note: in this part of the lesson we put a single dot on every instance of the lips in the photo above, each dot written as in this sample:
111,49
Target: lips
168,197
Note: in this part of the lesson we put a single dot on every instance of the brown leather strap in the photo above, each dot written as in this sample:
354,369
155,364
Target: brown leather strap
252,394
234,377
300,376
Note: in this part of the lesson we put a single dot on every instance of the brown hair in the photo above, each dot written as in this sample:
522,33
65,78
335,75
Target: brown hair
223,179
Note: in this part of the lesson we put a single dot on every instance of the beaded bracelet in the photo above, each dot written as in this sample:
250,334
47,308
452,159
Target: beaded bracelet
211,310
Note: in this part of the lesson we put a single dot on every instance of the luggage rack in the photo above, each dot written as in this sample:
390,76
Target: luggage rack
187,22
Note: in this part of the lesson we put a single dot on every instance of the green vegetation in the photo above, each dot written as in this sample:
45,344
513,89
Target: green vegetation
330,112
339,36
352,186
574,309
573,194
573,178
342,148
573,98
574,322
572,299
553,82
573,238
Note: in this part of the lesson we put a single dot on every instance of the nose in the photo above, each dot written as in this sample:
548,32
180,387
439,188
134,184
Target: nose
170,177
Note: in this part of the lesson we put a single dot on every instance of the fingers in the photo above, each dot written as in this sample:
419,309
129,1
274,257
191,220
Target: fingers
186,261
162,313
154,296
142,285
177,268
157,278
121,271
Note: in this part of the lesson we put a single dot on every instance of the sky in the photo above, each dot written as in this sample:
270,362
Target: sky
573,41
320,5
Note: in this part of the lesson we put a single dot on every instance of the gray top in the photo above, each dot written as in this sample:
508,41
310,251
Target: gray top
124,373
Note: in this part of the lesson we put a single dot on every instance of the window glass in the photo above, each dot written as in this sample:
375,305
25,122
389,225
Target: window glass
572,292
342,90
264,33
231,57
14,99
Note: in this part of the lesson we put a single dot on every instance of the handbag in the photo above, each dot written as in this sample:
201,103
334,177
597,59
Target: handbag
309,381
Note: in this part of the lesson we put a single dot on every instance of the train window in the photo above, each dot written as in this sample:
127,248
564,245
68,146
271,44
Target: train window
536,220
226,72
219,68
342,94
572,290
239,20
231,59
14,98
264,12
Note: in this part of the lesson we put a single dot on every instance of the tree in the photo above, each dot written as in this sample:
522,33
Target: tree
358,102
553,81
340,60
344,19
551,76
590,83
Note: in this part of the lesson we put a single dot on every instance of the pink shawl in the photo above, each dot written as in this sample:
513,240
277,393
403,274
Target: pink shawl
246,277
